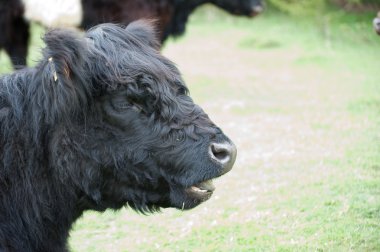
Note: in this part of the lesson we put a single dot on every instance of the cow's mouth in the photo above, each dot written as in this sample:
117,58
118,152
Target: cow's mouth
202,190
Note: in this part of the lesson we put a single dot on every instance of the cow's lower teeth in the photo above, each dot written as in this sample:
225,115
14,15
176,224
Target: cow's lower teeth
197,189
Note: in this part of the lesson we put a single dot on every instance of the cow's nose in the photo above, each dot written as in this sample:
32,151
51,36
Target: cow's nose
224,154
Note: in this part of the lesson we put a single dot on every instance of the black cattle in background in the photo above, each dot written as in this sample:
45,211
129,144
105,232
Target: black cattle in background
171,16
103,121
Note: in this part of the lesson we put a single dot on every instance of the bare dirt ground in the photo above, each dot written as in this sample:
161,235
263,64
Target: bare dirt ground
274,112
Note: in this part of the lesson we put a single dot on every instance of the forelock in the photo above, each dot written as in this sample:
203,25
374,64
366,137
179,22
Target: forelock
124,54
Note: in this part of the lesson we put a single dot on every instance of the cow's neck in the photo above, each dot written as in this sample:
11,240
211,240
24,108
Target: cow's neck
182,11
37,208
41,220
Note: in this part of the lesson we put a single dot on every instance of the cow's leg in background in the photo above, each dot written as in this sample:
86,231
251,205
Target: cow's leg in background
14,31
16,43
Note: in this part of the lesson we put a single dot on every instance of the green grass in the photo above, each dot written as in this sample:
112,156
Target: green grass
301,99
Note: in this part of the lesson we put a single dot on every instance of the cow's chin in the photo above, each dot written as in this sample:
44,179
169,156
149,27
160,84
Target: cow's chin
189,197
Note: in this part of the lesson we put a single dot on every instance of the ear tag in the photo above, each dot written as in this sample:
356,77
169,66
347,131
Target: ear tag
55,77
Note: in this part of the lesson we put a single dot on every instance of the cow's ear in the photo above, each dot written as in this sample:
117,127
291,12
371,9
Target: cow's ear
63,74
66,53
145,30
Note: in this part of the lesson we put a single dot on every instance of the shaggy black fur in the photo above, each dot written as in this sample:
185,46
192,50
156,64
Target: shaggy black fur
171,16
103,121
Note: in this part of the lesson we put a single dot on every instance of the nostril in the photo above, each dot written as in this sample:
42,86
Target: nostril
224,154
220,152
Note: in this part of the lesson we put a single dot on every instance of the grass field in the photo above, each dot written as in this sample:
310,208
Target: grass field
301,100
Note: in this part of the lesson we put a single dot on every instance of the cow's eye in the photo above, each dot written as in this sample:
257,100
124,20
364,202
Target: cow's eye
122,106
180,137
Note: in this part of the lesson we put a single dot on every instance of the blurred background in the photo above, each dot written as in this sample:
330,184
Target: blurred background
297,88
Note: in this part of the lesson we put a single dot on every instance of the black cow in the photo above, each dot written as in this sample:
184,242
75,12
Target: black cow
171,16
103,121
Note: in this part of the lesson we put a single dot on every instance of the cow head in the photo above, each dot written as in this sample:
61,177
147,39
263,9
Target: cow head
125,130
